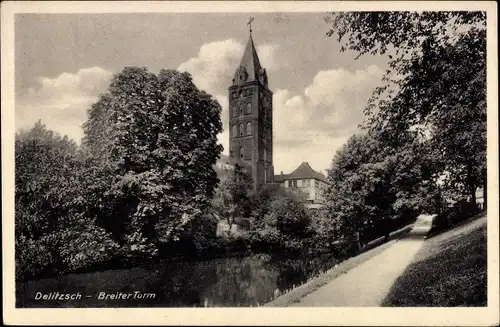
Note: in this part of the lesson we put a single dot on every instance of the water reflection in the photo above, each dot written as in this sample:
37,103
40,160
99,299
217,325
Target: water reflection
234,282
249,281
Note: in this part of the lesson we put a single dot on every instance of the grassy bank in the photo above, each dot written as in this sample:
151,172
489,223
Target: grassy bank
450,270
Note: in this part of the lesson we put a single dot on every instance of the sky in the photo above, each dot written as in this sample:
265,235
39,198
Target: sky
64,61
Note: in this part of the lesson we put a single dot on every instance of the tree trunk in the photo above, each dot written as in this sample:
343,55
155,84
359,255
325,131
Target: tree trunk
485,193
472,191
471,185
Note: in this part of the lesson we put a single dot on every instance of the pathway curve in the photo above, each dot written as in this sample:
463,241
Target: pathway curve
367,284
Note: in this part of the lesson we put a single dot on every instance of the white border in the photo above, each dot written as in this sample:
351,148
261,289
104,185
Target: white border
249,316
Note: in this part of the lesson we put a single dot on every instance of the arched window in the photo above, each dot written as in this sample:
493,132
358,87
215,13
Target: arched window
242,131
249,108
235,132
241,152
241,109
265,155
235,111
249,128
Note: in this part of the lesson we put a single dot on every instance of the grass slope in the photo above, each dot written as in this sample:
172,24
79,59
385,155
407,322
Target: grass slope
449,271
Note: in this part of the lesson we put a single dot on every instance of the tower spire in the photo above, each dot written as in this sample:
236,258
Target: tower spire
250,60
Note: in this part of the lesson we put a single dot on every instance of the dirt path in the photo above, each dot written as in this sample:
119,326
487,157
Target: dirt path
369,283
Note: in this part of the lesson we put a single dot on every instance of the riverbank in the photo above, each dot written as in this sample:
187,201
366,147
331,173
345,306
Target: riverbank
371,249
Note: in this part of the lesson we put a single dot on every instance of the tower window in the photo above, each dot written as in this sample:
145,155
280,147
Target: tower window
249,128
235,133
242,152
265,155
242,131
241,109
235,111
249,108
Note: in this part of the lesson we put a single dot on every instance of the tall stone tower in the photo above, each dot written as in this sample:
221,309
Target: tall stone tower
251,117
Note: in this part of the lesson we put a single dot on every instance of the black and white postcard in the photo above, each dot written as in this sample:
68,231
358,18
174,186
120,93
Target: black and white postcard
250,163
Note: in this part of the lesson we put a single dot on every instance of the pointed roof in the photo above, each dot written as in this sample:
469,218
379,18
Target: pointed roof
304,171
250,60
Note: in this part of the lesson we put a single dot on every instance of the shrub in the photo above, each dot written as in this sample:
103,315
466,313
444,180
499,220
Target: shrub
86,246
455,214
32,258
137,248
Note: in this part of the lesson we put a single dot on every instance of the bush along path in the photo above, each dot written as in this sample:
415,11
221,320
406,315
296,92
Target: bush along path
368,283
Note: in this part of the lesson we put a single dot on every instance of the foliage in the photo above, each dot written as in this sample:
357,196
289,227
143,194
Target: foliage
435,84
289,215
396,33
53,233
83,245
373,187
201,232
143,176
45,185
262,201
33,257
453,215
159,143
233,198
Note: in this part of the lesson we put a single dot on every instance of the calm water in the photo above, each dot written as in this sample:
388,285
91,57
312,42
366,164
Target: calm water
249,281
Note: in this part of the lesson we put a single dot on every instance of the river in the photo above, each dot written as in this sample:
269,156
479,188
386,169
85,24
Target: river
232,282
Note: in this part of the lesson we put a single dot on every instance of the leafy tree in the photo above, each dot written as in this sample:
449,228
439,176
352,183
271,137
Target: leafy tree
435,83
44,162
289,215
153,139
263,199
374,189
234,196
53,233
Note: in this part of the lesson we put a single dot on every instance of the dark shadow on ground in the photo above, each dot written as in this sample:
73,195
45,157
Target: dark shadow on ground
449,271
440,229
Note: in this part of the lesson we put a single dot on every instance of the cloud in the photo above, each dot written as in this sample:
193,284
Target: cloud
272,56
313,125
213,68
62,102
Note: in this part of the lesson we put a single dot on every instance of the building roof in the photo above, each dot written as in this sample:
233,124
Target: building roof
304,171
280,178
250,60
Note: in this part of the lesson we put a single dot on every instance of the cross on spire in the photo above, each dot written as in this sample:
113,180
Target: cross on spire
250,23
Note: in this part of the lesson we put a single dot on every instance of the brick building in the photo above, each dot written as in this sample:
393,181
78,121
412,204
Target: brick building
251,117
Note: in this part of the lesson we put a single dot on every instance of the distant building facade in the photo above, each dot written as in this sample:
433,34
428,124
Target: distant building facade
480,197
310,183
